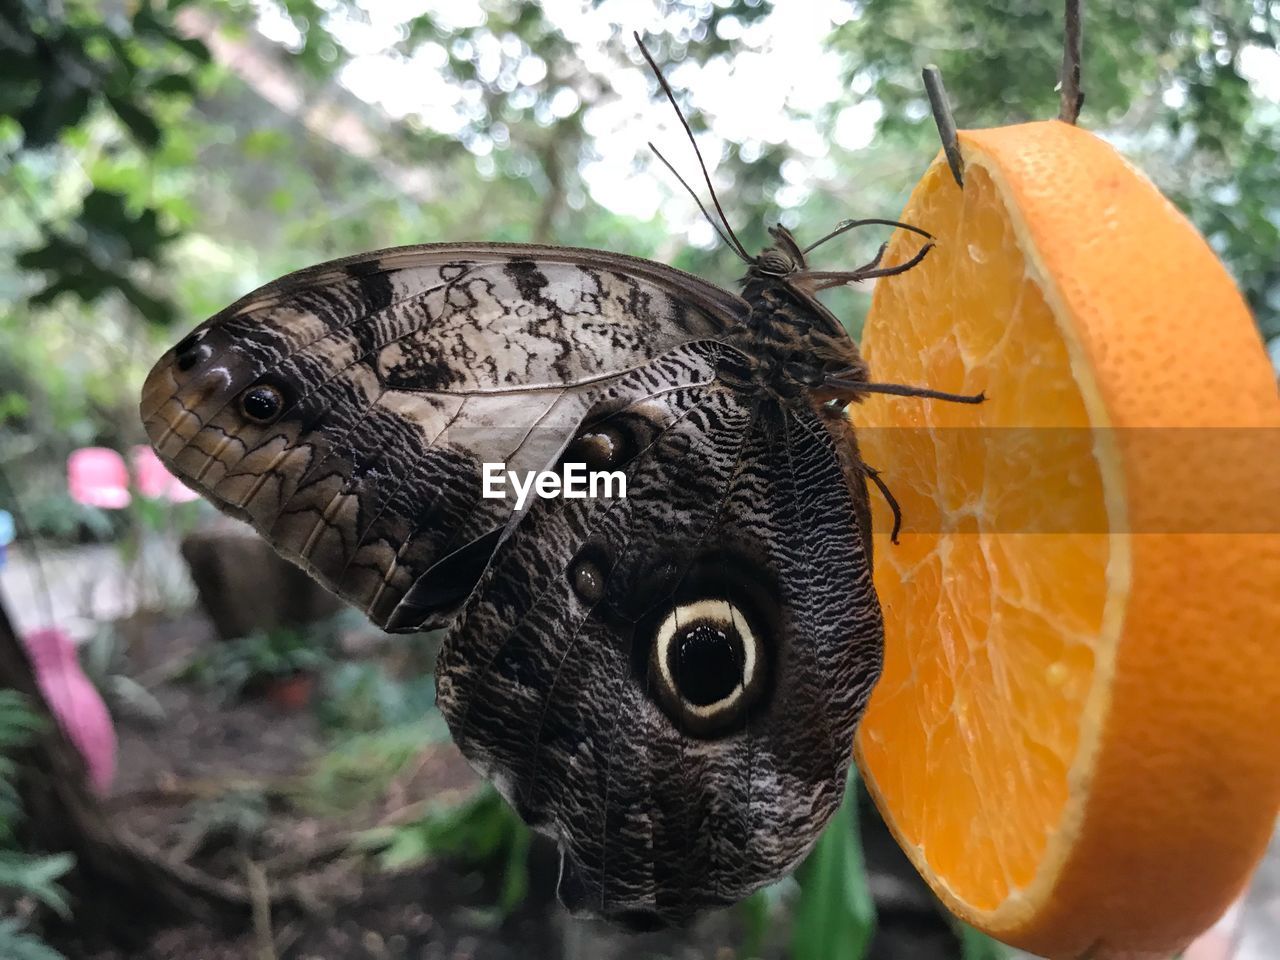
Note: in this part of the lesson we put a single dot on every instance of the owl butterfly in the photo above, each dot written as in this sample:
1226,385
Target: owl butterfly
666,682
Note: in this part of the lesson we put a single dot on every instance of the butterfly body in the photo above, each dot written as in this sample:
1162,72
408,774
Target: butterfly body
794,340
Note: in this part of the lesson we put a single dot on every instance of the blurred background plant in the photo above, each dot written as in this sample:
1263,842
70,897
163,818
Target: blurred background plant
28,880
255,661
159,158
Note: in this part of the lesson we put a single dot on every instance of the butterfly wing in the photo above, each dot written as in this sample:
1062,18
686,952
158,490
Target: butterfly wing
668,683
346,410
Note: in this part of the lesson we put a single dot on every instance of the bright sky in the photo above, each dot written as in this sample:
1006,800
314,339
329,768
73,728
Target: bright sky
780,61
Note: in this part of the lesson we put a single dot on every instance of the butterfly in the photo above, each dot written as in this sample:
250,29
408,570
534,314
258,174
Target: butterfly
668,681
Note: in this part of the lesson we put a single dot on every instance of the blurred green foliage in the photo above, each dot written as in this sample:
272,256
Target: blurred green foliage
23,874
63,67
230,668
836,915
236,819
482,830
359,768
1166,80
18,726
362,697
106,662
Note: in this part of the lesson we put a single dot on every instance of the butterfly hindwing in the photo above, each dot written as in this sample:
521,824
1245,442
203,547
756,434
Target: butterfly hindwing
668,788
394,378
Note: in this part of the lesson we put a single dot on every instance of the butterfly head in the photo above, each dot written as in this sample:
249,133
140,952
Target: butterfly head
780,259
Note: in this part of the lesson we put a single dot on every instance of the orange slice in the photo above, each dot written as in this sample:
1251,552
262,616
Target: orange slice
1075,735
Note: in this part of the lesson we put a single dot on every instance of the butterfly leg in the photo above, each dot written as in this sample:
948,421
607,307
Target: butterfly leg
885,492
813,281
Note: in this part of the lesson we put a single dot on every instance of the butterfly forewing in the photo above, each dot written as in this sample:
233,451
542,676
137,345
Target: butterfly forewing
397,376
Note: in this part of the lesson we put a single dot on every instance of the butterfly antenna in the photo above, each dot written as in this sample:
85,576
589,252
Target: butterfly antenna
732,238
710,219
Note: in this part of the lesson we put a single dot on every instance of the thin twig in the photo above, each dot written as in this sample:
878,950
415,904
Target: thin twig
256,881
173,790
1072,43
324,850
443,799
946,122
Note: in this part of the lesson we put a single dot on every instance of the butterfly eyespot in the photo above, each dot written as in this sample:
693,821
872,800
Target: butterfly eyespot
587,579
600,448
189,351
708,665
189,341
262,403
185,361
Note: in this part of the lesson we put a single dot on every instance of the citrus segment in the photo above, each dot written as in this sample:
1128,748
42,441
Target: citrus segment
1068,738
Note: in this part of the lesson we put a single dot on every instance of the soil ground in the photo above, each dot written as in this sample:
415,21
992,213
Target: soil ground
172,774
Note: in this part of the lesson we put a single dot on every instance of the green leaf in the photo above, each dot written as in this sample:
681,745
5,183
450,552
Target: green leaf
18,722
515,877
33,876
55,255
282,200
482,829
754,912
174,83
105,208
13,406
978,946
87,288
154,309
835,915
359,770
127,695
16,944
759,914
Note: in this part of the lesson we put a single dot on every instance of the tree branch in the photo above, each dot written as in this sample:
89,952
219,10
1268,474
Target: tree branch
1072,44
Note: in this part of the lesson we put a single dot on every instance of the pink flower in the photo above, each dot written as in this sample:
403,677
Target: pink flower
75,702
153,478
97,477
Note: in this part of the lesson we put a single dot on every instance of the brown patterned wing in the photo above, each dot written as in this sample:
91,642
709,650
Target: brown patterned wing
668,683
345,410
